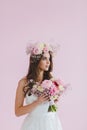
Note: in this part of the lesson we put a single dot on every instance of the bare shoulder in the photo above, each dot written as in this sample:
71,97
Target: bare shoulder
22,82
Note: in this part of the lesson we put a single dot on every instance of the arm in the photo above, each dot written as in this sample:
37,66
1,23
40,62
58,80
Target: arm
19,101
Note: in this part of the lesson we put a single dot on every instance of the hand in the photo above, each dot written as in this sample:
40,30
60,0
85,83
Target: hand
42,98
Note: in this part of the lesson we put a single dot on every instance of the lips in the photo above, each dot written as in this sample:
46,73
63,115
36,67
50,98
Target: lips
47,66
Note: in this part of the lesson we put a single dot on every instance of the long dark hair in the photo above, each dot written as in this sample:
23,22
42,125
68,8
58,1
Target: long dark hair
33,73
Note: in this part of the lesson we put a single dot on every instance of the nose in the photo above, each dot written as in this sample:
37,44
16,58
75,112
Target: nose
48,61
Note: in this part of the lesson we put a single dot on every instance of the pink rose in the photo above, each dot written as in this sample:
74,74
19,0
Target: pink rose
36,50
45,49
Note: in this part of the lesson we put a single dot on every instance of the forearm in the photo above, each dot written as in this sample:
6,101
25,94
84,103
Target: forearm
26,109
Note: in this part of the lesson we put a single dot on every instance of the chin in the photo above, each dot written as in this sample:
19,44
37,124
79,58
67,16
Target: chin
46,69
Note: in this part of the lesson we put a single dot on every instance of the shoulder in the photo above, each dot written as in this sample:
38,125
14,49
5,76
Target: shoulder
22,82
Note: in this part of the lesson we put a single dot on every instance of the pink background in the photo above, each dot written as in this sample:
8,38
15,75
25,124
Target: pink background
64,21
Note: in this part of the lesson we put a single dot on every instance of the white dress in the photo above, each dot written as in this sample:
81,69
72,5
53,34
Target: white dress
40,118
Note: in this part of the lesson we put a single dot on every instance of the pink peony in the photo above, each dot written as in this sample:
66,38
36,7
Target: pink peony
46,84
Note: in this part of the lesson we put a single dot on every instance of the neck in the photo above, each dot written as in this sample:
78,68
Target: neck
40,75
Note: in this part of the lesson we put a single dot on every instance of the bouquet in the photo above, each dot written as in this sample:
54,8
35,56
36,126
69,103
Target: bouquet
54,88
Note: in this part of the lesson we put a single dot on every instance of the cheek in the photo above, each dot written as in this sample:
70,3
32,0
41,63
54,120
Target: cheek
42,63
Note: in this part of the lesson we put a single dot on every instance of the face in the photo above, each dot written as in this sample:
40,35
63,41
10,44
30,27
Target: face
44,62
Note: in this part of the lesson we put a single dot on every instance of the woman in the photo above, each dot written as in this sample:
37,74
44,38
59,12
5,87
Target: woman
40,68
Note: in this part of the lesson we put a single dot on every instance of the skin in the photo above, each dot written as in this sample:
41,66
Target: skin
43,66
20,108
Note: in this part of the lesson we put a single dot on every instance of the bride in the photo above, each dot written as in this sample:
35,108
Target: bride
36,109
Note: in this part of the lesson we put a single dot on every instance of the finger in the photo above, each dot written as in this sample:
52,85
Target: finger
46,98
44,95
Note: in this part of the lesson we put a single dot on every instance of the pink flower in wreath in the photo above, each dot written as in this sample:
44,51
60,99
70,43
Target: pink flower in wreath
36,51
45,49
